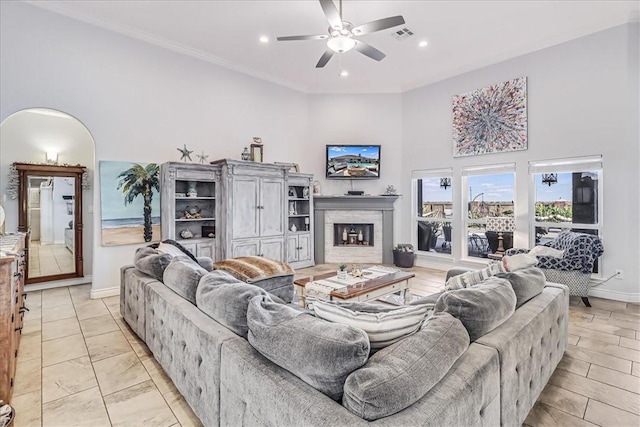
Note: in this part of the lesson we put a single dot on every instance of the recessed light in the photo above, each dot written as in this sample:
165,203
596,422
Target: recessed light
423,43
264,39
344,73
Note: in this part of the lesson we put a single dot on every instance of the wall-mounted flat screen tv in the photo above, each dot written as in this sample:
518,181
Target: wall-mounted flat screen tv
353,162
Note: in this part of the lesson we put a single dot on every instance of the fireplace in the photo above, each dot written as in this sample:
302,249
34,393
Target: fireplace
345,234
371,215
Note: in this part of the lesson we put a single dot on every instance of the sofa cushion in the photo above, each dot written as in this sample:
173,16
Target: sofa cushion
151,262
470,278
273,276
480,308
383,324
399,375
526,283
318,352
182,276
174,248
225,299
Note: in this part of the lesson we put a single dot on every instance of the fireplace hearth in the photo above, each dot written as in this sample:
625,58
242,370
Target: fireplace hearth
353,234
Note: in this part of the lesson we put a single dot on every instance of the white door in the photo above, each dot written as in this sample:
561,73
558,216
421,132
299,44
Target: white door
304,245
272,207
245,248
245,207
292,248
272,248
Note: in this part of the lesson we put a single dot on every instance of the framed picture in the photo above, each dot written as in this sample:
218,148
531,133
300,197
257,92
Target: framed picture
129,212
257,153
492,119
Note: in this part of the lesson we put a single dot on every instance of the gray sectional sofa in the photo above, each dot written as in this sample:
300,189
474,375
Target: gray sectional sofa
496,381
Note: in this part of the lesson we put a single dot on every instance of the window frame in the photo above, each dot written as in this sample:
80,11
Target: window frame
429,174
567,165
478,170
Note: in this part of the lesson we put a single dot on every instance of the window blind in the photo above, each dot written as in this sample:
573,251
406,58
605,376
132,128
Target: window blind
432,173
576,164
489,169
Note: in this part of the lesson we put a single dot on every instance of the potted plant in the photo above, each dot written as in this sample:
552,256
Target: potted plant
342,271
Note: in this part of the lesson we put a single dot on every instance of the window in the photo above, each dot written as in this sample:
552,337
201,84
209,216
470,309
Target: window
567,196
434,210
490,192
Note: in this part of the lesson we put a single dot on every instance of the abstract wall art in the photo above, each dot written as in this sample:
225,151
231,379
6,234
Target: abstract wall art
491,120
130,202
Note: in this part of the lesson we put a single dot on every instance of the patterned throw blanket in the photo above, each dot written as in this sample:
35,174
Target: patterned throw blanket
253,268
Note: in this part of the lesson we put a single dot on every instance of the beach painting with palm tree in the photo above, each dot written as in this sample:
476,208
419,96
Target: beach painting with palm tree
130,202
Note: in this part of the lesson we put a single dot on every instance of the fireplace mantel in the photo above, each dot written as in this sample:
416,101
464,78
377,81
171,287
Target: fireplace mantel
383,204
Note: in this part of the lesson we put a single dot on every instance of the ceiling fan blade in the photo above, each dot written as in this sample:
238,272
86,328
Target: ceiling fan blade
316,37
380,24
324,58
369,51
332,14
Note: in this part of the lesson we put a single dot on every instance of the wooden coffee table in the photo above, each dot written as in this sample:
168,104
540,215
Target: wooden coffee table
364,291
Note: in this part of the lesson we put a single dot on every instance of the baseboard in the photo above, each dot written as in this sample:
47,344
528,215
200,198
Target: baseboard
614,295
58,283
103,293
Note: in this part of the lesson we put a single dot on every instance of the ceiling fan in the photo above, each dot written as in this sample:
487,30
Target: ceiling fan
341,37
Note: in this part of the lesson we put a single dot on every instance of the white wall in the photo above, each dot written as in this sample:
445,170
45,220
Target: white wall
357,119
140,102
582,100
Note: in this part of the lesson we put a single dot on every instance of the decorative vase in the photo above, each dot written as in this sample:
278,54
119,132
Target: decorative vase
192,190
342,274
305,192
293,228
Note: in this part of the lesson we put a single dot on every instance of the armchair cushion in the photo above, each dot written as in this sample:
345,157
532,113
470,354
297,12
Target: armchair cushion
580,252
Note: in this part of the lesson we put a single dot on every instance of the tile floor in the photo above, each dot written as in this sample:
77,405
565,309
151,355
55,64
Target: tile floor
45,260
80,365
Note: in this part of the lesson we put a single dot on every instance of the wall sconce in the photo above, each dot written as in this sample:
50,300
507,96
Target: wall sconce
549,178
445,182
52,158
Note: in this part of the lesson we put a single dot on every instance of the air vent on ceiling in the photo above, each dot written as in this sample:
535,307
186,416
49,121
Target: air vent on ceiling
401,34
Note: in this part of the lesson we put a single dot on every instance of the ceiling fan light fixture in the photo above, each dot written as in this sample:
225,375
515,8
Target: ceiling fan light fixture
341,44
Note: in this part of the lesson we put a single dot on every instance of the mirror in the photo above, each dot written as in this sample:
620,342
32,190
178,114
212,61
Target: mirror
50,145
50,210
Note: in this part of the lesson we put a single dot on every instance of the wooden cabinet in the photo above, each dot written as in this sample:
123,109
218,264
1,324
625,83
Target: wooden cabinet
245,203
12,307
188,206
253,205
300,220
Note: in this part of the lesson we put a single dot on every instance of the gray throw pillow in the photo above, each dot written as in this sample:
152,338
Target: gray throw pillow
320,353
151,262
182,276
225,299
526,283
480,308
399,375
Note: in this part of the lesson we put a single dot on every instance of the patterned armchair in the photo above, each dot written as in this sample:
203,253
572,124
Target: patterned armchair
575,267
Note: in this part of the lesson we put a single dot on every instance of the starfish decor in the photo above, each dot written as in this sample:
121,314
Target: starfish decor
202,157
186,154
